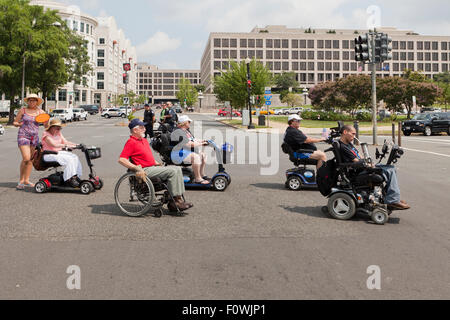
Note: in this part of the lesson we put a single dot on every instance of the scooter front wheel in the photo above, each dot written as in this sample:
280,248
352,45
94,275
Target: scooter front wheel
220,183
294,183
86,187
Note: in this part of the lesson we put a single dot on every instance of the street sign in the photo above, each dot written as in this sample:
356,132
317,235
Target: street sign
126,100
268,103
126,67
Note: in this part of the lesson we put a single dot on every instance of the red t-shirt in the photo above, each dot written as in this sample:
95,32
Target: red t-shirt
139,151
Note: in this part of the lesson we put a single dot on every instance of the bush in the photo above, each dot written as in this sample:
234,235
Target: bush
325,116
364,116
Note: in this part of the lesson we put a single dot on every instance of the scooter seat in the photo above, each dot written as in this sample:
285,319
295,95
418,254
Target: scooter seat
299,162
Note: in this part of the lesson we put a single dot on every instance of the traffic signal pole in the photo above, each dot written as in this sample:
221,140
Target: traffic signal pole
374,90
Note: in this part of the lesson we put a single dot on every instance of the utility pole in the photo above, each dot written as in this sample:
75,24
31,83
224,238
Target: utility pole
374,89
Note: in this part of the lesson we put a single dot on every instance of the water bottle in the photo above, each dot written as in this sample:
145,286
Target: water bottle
324,133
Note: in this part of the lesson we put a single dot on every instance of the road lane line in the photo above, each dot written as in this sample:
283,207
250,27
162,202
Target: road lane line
429,152
428,140
444,144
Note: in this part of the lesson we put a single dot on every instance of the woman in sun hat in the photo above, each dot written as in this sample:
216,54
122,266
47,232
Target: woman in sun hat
53,140
28,136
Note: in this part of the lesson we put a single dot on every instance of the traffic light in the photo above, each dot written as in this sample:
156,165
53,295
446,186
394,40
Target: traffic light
377,57
362,48
385,48
125,78
249,84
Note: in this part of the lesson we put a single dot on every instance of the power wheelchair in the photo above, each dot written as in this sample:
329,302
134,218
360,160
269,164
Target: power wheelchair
356,187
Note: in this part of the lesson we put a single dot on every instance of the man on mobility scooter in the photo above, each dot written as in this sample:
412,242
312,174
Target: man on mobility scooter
137,149
302,152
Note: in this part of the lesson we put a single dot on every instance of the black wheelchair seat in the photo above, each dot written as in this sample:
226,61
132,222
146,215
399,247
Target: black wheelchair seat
298,162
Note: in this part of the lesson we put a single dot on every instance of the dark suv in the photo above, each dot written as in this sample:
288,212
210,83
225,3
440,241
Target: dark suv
91,108
428,123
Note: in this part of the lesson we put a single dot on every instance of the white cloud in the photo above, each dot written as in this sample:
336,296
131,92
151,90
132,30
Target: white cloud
160,42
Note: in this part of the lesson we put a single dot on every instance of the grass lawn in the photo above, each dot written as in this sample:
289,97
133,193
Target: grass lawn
238,123
328,124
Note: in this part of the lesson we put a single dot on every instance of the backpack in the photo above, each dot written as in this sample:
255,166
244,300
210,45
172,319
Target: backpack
327,177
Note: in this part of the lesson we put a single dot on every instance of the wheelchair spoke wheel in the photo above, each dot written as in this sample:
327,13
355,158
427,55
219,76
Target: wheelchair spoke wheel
134,198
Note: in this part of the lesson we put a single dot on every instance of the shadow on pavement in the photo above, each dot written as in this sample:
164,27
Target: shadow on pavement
279,186
113,210
318,213
13,185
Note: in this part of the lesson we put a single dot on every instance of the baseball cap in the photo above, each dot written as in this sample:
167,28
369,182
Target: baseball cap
135,123
294,117
183,119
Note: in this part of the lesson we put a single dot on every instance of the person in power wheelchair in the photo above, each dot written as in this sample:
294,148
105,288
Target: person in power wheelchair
53,143
185,150
302,145
349,154
137,156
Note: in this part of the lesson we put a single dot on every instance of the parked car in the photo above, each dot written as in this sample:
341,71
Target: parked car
79,114
427,123
279,112
2,130
91,109
263,112
296,110
113,112
65,115
178,109
126,110
226,113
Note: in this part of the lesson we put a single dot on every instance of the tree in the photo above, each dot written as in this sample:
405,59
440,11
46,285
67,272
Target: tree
285,82
141,99
186,91
200,87
231,85
15,28
416,76
292,99
442,77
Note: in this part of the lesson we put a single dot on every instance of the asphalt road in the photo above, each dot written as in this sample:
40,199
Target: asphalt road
256,240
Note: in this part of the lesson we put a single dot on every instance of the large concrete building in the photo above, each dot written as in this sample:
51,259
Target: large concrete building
321,54
107,48
162,84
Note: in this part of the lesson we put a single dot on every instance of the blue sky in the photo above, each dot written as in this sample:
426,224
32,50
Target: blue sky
173,33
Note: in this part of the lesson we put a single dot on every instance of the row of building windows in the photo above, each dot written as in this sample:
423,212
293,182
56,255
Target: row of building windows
336,66
327,44
80,26
157,93
167,81
168,75
322,55
62,95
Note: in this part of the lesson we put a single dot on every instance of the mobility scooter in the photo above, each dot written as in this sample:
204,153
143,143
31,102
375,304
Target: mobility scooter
219,182
357,187
56,180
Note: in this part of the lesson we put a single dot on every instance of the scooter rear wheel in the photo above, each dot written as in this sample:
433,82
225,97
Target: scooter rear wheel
40,187
86,187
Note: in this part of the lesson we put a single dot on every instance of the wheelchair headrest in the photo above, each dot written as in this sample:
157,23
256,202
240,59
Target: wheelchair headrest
337,151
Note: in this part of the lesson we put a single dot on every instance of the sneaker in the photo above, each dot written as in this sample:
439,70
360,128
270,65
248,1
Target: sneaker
74,183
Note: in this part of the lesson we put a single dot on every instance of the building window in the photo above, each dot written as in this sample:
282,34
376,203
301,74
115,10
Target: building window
277,55
233,43
100,53
345,44
336,55
295,66
335,44
294,44
345,55
444,46
100,62
269,54
243,54
225,54
217,54
101,41
100,85
217,43
346,66
328,44
444,56
419,45
320,55
303,55
285,54
410,45
217,65
420,56
328,66
303,66
277,65
320,66
243,43
225,43
277,44
427,56
411,66
259,54
251,54
87,28
81,26
328,55
435,56
269,43
395,45
295,55
435,45
320,44
75,25
310,55
259,43
302,44
83,96
411,56
100,76
311,66
427,45
233,54
285,66
444,67
285,43
62,95
51,96
310,44
402,45
420,66
251,43
269,65
402,56
435,67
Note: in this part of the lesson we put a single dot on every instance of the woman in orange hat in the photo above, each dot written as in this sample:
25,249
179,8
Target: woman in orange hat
28,136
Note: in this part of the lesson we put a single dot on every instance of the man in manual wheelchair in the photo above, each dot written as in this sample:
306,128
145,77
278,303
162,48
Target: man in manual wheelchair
137,157
353,183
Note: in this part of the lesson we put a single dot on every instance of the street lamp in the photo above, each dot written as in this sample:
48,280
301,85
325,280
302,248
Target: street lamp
249,90
305,93
200,98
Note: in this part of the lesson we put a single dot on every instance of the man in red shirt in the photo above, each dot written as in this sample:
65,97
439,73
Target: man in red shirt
137,149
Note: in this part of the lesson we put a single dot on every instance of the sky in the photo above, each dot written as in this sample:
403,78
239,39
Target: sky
172,34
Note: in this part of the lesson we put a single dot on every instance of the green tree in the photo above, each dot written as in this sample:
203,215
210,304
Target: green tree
231,85
442,77
142,99
292,99
186,91
286,81
15,29
416,76
200,87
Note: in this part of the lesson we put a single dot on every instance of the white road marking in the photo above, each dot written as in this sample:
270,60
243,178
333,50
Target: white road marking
429,152
444,141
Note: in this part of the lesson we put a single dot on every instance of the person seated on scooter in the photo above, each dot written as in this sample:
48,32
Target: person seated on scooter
185,150
53,140
143,163
349,153
297,140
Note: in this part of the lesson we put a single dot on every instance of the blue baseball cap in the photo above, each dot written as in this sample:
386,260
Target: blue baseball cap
135,123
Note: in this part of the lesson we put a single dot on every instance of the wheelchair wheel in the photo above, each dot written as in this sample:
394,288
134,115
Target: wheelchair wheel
341,206
134,198
380,216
